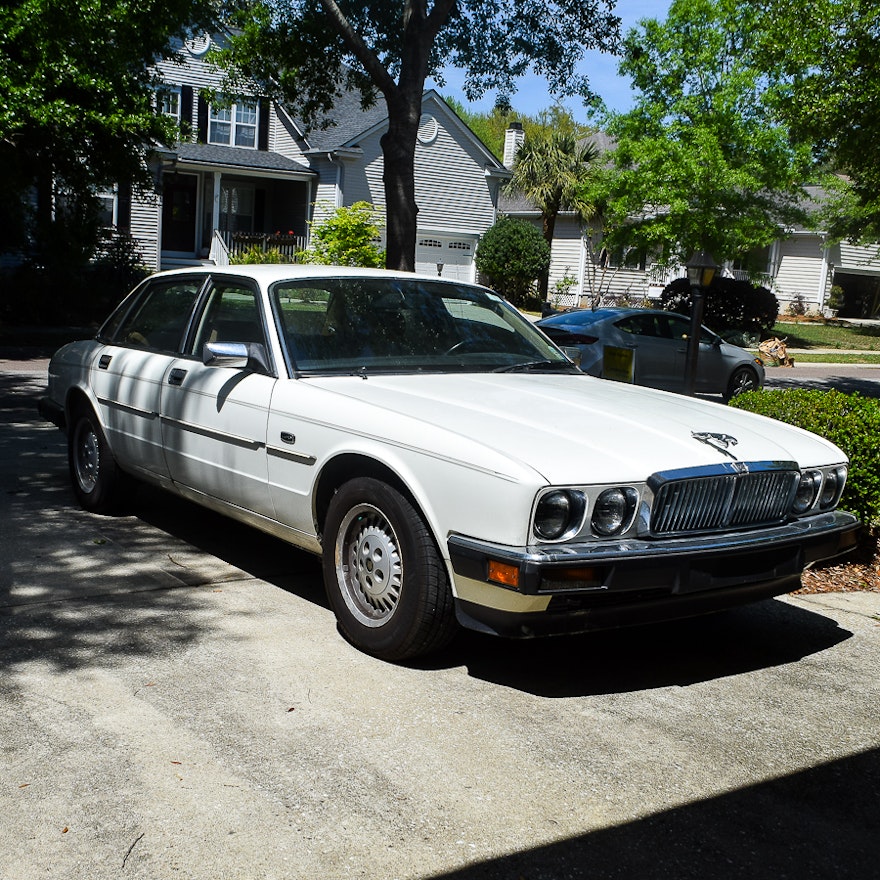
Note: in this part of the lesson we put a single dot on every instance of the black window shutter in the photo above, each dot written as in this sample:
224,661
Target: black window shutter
203,120
263,137
186,105
123,207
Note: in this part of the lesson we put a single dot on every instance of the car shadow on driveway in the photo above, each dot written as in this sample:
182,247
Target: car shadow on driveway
674,653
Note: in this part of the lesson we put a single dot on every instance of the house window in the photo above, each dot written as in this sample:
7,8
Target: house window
460,246
107,209
626,258
168,102
236,207
235,125
430,242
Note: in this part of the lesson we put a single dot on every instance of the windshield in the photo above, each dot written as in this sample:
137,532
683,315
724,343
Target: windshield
348,325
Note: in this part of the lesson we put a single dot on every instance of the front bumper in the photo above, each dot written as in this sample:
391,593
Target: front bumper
604,584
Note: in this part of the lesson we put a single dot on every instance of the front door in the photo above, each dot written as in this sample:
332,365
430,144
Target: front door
179,203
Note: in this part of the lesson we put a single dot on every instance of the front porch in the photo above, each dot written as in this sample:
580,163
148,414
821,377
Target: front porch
219,202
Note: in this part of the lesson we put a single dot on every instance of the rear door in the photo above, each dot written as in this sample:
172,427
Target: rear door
214,418
655,350
128,371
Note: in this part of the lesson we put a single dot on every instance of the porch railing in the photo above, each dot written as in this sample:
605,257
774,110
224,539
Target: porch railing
238,243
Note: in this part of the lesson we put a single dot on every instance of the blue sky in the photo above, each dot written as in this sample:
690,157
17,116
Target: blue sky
532,96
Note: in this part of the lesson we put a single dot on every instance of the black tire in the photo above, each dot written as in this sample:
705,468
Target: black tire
96,478
741,380
384,577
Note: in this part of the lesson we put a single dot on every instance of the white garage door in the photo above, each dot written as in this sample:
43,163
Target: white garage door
456,255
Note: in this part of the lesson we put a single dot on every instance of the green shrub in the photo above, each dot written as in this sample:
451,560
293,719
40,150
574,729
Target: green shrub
729,305
850,421
256,255
512,254
348,237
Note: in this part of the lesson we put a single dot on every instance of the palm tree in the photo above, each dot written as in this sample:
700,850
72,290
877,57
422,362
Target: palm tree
549,170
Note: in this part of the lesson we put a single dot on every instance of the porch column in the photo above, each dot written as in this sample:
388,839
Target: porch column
215,205
823,275
582,271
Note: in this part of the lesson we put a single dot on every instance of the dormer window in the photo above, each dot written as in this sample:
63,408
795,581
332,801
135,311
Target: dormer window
234,125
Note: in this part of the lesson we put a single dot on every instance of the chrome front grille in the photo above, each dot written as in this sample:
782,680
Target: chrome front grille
740,496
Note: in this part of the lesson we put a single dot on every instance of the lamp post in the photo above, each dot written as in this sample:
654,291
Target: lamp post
439,269
701,270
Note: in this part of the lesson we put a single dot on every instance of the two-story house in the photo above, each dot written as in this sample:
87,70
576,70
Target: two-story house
252,173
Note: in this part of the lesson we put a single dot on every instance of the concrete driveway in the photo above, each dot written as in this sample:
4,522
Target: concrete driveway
175,702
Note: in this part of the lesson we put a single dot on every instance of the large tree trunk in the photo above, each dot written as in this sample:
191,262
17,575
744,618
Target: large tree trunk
398,152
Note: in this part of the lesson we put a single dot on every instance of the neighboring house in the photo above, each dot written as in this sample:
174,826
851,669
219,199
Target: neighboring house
800,267
253,174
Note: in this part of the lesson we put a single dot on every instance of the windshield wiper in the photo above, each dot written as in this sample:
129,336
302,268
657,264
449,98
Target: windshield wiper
536,366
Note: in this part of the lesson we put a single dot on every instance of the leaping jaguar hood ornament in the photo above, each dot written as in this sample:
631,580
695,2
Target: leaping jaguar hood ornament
721,442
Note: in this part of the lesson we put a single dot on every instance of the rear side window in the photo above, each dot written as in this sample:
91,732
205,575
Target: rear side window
160,317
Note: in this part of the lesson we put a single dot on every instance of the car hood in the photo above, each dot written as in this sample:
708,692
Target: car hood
574,428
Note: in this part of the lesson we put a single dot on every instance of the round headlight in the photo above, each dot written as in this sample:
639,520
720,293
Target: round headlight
558,514
807,491
613,511
832,487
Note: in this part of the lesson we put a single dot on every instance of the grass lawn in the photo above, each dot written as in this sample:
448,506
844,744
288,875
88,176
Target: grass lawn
809,334
862,358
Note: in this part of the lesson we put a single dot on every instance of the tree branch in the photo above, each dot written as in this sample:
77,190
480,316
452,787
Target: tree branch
374,67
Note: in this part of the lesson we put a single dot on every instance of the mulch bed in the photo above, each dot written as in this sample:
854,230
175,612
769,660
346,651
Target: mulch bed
858,571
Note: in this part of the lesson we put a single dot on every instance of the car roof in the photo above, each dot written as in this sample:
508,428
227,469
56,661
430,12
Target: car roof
582,317
590,316
268,273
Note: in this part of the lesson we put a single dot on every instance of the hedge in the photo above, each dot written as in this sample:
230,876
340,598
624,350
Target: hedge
850,421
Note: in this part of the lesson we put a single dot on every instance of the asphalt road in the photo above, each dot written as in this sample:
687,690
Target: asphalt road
175,702
861,378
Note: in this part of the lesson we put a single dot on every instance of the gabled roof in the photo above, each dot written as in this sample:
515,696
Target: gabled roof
349,124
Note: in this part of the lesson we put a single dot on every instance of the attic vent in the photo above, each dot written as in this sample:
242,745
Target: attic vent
428,129
198,44
430,242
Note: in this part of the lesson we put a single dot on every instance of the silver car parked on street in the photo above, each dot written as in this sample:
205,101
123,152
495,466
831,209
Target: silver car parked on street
649,347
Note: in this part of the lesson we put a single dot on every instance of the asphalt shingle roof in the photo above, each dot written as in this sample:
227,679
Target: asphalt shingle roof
346,122
238,157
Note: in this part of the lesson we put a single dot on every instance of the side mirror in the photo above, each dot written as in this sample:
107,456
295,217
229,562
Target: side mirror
236,356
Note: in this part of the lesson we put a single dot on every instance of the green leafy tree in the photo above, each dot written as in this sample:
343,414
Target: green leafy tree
77,110
700,161
513,254
550,169
824,60
305,51
491,127
348,237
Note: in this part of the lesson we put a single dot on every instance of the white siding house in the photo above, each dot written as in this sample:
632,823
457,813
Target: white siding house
253,174
800,268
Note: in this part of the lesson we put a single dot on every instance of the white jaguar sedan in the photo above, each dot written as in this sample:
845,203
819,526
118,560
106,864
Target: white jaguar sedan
447,461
